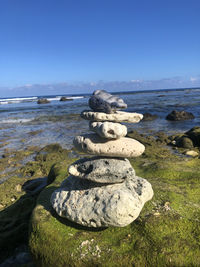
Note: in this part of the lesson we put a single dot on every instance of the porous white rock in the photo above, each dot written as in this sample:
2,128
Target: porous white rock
109,130
89,204
117,116
93,144
102,169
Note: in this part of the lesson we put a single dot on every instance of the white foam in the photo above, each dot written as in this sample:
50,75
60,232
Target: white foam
17,100
67,97
76,97
54,98
16,120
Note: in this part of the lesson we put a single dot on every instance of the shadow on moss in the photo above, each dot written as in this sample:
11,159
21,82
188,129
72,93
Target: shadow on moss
14,224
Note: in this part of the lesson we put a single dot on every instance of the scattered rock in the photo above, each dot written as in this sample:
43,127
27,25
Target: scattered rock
179,115
149,117
192,153
102,101
118,116
43,101
18,188
1,206
102,170
184,142
13,198
64,98
123,147
162,137
194,135
108,130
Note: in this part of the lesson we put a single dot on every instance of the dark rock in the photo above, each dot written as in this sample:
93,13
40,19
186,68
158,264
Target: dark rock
162,138
179,115
101,101
184,142
43,101
194,135
64,98
149,117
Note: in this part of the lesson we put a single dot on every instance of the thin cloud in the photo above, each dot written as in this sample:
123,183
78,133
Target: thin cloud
89,87
194,79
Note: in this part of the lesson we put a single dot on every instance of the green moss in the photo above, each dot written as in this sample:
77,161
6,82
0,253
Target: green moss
44,160
167,232
16,208
15,205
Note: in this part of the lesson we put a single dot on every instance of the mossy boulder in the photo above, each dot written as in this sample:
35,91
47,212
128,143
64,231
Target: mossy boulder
149,117
184,142
176,115
194,135
43,101
188,139
167,232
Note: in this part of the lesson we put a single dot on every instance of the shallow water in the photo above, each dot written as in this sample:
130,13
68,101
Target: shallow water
26,124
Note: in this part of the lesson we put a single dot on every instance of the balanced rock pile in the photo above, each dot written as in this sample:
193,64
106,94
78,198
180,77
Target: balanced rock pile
104,190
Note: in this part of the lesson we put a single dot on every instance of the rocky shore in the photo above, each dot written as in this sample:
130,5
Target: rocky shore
165,234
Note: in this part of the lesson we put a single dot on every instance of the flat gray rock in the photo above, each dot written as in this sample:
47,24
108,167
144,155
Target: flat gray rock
93,144
107,129
102,170
86,203
117,116
104,102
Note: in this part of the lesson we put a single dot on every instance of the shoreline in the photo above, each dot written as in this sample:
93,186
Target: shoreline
169,163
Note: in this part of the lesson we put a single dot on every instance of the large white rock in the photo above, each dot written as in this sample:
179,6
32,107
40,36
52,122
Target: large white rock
109,130
91,205
102,170
93,144
117,116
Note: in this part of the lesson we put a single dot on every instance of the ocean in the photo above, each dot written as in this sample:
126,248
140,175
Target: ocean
25,123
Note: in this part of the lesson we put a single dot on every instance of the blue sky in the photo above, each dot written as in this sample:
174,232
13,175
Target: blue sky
61,46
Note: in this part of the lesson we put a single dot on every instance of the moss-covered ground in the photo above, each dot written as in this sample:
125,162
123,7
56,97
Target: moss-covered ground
16,205
167,232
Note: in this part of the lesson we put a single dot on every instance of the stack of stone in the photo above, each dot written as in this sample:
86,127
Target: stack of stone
104,190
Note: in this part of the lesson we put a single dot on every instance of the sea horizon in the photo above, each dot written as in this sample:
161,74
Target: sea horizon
36,97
